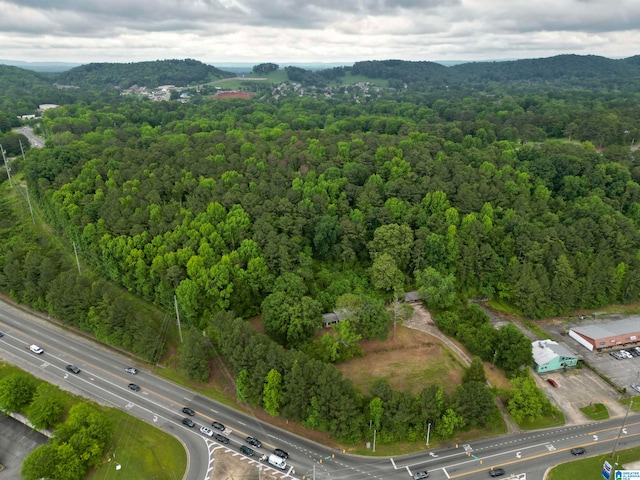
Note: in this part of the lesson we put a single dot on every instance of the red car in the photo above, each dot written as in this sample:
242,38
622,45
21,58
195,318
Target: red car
552,382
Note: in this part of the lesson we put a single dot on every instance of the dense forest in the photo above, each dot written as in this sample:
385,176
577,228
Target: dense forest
293,207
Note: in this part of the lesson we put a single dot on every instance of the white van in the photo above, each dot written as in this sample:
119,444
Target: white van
277,461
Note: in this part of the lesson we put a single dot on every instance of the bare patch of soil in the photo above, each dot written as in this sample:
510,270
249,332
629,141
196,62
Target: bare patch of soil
411,361
235,94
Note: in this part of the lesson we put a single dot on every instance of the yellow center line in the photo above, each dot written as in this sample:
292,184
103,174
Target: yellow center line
544,454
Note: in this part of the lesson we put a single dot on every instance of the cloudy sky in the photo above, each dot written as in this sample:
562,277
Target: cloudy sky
288,31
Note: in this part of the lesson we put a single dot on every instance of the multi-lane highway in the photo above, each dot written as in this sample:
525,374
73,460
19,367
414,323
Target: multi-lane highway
159,402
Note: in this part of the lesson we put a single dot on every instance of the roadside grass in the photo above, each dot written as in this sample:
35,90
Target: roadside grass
548,421
532,326
501,305
591,468
636,403
596,411
145,452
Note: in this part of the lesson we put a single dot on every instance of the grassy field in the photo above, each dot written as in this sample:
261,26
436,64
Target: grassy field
591,468
411,361
143,451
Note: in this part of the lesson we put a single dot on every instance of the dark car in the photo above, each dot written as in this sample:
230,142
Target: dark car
131,370
1,334
247,451
281,453
578,451
420,475
73,369
552,382
188,422
134,387
222,438
188,411
496,472
254,441
218,426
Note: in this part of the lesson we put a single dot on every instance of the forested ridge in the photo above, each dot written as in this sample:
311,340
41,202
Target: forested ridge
295,207
150,74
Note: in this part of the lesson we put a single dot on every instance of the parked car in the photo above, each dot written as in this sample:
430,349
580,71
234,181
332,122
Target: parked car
247,451
36,349
1,334
420,475
222,438
188,422
254,441
552,382
636,388
578,451
188,411
131,370
207,431
73,369
496,472
134,387
281,453
218,426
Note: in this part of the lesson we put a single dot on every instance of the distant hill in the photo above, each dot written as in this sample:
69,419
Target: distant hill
41,66
584,70
15,77
180,73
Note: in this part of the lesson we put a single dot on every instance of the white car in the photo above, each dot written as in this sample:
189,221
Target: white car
207,431
36,349
636,388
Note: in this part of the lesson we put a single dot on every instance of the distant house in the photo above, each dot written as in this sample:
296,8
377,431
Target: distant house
47,106
412,297
336,316
549,356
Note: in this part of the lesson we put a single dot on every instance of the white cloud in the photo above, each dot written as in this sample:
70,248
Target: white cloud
312,30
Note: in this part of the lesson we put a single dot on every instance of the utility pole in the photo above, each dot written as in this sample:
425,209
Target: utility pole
613,452
75,251
26,188
175,301
6,165
374,441
428,432
21,149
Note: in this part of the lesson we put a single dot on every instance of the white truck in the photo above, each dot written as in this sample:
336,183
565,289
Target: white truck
277,461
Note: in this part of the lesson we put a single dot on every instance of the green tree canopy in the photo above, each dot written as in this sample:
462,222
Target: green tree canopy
16,392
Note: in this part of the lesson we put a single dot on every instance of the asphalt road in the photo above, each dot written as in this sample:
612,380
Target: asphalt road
160,402
34,140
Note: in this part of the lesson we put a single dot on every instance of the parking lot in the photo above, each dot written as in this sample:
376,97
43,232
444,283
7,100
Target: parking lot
577,389
622,372
16,442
